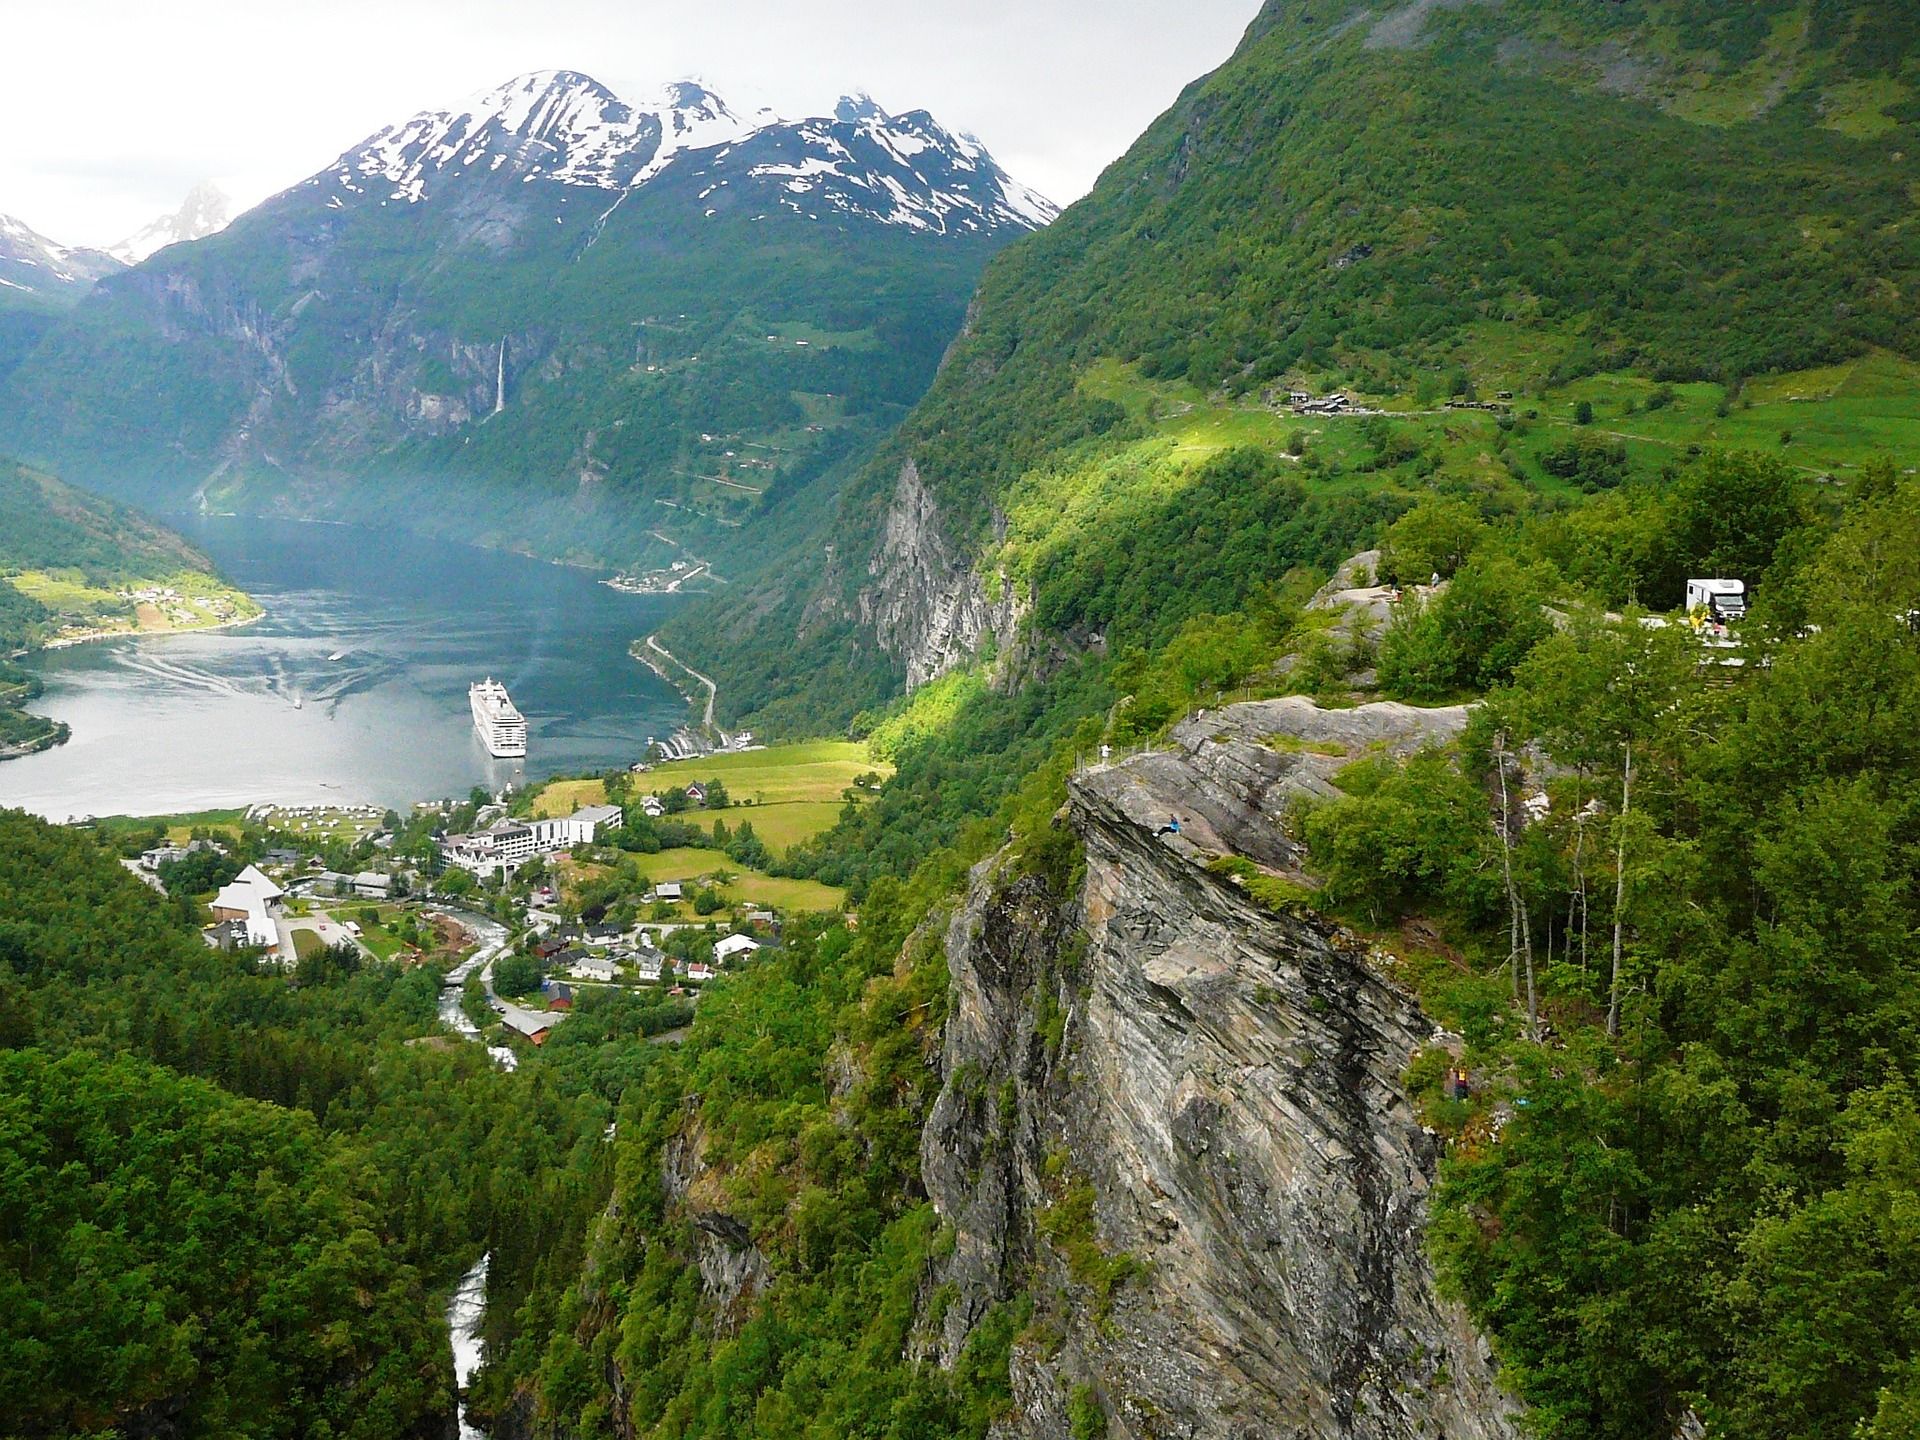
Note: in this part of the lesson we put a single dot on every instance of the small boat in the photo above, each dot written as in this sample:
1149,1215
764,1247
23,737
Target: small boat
337,655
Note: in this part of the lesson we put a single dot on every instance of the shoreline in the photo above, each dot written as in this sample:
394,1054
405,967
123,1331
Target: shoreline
67,642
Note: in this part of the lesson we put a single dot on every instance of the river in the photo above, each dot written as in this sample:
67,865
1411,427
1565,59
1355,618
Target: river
466,1309
164,724
467,1306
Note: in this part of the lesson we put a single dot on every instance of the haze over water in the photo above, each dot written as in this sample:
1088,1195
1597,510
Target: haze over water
188,722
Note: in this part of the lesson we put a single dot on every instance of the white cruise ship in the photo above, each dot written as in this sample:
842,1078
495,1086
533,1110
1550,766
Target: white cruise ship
502,728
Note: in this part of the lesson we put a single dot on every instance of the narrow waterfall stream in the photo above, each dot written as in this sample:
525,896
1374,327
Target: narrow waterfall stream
467,1306
465,1310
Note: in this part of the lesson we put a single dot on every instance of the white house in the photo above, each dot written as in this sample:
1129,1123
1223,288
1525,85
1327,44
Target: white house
668,890
733,947
153,859
250,898
700,971
593,967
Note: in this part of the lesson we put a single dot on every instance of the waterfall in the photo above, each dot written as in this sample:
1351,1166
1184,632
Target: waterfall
500,379
465,1310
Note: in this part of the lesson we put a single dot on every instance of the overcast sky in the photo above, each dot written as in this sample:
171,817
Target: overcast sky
113,109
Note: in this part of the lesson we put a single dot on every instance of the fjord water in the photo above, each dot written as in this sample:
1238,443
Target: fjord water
165,724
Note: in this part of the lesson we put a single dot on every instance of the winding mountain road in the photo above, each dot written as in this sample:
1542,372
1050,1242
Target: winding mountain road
713,691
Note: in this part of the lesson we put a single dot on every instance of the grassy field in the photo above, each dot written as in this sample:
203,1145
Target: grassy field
786,825
1824,422
563,797
814,771
196,602
179,828
307,943
748,886
796,791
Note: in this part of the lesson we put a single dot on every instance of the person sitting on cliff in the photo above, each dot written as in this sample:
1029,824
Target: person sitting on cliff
1172,827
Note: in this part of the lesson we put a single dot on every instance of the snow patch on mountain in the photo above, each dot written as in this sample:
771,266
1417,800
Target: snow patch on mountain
567,128
904,170
30,263
204,212
557,125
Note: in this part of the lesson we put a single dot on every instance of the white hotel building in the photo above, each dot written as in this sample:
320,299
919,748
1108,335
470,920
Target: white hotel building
508,844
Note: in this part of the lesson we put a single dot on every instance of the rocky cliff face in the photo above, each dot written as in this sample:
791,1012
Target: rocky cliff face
924,602
1176,1119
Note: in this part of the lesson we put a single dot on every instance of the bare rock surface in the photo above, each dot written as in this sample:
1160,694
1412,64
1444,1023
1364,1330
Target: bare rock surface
1232,776
1226,1080
925,604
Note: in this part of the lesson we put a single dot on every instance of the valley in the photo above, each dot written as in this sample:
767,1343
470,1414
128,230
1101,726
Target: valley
1278,803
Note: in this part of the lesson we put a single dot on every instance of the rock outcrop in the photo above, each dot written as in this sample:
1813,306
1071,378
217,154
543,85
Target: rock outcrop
924,603
1176,1119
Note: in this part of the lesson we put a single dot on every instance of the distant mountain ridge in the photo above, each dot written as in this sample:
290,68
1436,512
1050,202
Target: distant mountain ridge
631,325
566,128
205,211
33,266
559,124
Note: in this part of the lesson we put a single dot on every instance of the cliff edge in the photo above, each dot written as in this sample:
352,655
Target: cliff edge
1176,1119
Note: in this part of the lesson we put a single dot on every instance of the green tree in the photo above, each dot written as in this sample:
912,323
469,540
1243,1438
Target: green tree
1434,537
517,974
1600,696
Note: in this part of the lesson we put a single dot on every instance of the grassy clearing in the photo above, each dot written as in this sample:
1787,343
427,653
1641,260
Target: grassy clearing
186,601
563,797
817,770
790,793
307,943
748,886
783,826
382,942
797,791
1826,421
178,827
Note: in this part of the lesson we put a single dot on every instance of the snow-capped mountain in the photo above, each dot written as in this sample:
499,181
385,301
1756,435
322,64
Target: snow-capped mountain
898,169
204,212
590,308
31,264
569,129
553,124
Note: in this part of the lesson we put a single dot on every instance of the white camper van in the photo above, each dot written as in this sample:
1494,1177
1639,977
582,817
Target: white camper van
1722,600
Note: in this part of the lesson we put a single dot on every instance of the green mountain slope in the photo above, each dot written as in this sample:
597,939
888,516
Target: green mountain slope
72,565
479,321
1440,199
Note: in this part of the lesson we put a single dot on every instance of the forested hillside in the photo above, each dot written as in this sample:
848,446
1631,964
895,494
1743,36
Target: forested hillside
1342,952
70,564
236,1196
1653,254
1650,207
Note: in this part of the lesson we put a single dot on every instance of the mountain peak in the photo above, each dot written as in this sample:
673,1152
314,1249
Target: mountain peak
857,107
560,125
564,127
205,211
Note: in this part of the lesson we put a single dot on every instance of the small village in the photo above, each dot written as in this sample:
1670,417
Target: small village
532,902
